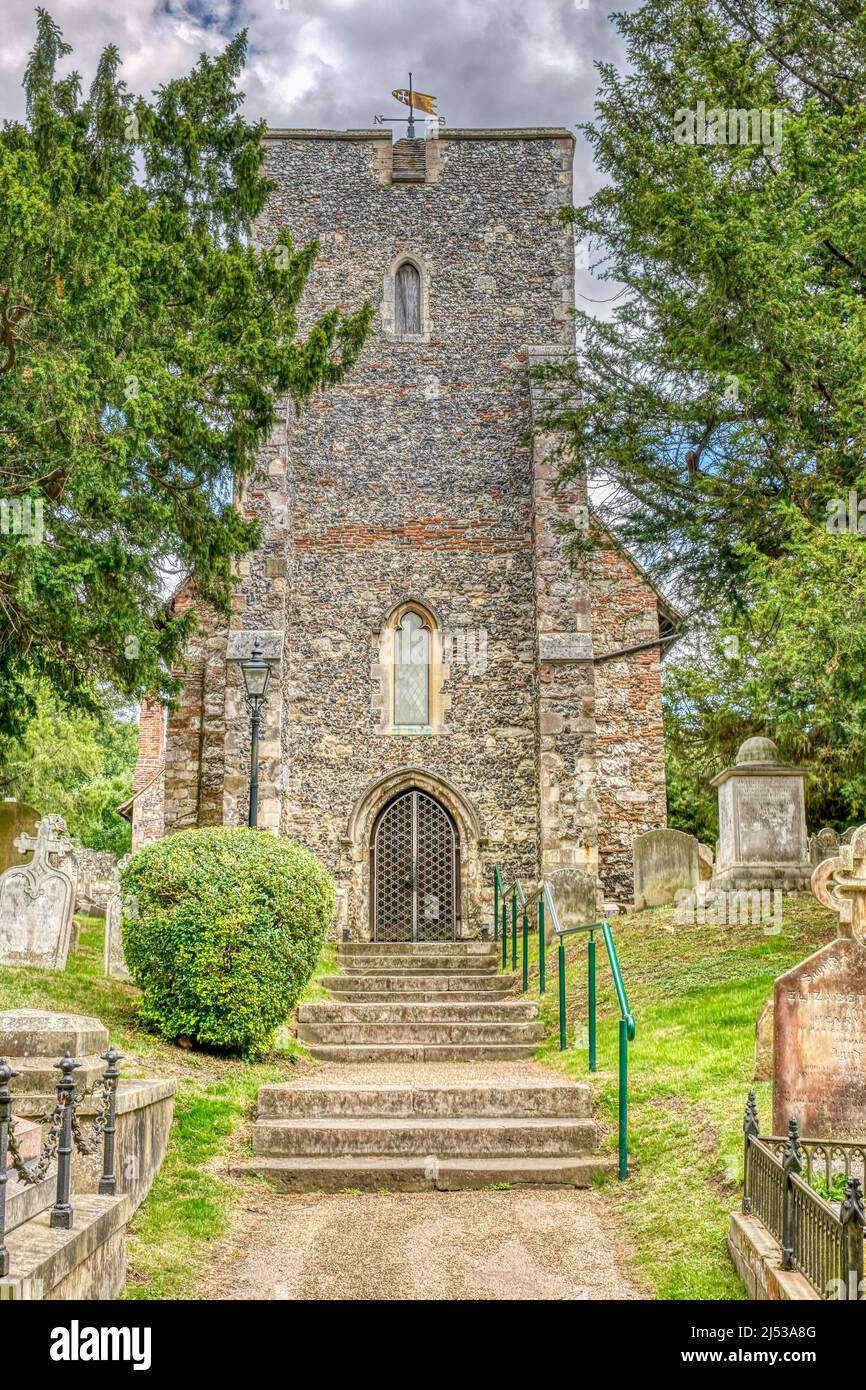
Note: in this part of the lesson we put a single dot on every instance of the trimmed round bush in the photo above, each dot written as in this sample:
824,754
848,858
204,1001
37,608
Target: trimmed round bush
225,929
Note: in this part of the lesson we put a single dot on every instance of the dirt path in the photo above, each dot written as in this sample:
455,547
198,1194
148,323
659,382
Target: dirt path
439,1245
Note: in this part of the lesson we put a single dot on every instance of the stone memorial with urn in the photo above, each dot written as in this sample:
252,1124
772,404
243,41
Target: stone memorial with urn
762,822
819,1029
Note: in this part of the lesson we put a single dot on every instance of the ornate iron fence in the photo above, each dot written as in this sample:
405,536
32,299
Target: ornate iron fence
823,1241
65,1134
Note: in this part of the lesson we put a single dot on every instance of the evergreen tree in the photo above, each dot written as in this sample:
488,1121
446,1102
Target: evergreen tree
144,347
721,405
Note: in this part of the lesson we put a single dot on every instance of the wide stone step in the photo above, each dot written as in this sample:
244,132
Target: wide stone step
285,1100
417,962
417,996
419,1032
459,949
508,1011
421,1052
348,1136
381,984
375,1174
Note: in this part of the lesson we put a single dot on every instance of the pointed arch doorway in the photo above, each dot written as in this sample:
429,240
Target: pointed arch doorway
414,871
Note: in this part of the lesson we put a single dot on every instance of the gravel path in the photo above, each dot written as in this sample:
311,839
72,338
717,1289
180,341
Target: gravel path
555,1244
437,1245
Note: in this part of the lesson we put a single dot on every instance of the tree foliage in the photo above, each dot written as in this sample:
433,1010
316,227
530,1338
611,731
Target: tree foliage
145,348
719,407
77,764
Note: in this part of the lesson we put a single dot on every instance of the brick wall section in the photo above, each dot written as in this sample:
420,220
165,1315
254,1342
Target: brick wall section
629,733
194,757
148,787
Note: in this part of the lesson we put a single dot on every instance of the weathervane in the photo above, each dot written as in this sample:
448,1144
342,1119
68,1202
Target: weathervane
413,100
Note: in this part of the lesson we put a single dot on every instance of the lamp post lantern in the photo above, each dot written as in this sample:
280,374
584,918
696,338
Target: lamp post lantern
257,673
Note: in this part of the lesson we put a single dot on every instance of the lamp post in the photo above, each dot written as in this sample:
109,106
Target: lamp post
257,673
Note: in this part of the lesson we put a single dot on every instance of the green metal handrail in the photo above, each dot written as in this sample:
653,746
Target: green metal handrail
542,894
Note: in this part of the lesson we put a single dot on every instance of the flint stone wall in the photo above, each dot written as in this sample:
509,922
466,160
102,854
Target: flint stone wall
413,480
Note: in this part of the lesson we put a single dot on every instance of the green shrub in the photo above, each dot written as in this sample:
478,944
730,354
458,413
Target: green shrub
226,928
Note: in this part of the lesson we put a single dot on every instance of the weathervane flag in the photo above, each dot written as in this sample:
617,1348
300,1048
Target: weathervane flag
420,100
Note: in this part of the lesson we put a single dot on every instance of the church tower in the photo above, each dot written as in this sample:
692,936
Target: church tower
446,693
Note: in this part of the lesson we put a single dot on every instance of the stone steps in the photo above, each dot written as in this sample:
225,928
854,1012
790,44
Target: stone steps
428,1003
384,1136
418,965
415,1012
419,1001
450,983
456,950
518,1100
422,1052
416,1137
421,1032
424,1174
421,996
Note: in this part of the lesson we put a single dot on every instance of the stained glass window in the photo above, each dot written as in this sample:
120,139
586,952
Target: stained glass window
412,671
408,299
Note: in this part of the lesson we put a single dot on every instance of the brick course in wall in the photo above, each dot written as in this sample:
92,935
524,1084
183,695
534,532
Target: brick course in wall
414,480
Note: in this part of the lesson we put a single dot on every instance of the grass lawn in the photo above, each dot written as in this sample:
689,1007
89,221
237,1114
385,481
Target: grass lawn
190,1205
695,993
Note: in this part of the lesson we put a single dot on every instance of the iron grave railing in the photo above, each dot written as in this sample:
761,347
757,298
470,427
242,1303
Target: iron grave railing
65,1133
821,1239
540,902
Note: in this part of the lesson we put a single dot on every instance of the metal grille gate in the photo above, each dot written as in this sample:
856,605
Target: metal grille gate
414,871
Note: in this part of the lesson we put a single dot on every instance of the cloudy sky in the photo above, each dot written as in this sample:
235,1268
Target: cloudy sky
334,62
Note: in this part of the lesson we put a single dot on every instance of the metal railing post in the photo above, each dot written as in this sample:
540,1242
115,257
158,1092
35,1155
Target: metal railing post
525,945
542,965
792,1162
590,967
853,1218
562,1037
61,1212
514,930
6,1075
108,1181
751,1129
504,933
623,1098
495,906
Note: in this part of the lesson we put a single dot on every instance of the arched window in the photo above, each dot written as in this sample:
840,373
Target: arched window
412,671
407,299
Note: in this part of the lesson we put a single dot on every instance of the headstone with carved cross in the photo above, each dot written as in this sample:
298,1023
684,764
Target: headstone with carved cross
819,1032
37,901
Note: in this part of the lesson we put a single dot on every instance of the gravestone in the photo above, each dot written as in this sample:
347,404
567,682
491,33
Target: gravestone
823,846
16,819
37,901
762,822
819,1031
114,963
34,1039
96,874
664,861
